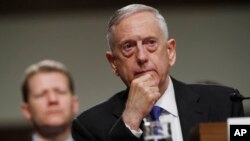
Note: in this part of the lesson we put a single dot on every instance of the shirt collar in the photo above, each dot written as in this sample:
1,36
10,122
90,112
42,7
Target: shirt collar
167,100
36,138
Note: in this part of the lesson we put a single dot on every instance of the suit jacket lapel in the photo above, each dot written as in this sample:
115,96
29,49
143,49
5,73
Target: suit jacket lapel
120,103
191,111
119,131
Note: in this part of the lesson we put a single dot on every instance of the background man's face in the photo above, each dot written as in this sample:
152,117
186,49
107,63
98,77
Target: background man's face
50,101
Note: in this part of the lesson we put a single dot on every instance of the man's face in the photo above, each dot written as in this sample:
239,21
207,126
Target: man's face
50,101
140,48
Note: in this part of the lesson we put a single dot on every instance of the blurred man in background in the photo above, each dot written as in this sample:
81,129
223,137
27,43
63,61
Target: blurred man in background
49,102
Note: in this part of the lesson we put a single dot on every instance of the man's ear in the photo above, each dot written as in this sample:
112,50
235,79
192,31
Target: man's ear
75,101
171,51
25,110
110,57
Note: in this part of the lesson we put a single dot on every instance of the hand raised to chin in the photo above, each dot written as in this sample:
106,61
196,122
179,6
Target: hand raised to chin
143,94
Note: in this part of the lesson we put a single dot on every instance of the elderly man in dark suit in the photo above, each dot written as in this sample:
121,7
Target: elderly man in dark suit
141,54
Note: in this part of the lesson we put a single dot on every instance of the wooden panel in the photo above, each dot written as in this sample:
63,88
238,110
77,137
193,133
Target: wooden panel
216,131
213,132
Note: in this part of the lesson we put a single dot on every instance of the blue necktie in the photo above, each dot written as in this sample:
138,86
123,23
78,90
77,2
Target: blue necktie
156,112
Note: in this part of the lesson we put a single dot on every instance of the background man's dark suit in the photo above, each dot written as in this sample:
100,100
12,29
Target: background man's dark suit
195,103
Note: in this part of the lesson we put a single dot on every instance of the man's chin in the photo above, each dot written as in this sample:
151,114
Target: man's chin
55,123
152,73
52,128
50,123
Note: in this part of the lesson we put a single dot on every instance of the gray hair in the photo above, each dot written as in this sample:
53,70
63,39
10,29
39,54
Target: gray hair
120,14
44,66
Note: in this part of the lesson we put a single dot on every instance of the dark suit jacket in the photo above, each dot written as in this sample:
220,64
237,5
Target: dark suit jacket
195,103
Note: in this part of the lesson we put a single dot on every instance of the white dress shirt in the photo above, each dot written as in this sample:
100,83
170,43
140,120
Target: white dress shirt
36,138
170,113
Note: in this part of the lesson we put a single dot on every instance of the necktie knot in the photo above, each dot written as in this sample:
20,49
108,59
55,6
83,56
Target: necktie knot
156,112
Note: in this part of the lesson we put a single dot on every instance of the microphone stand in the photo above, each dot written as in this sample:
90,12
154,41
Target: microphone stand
238,97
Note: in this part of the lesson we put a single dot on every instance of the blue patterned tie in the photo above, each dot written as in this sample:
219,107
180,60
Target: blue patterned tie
156,112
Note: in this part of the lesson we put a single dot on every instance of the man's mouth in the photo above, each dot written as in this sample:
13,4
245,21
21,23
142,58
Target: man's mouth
141,73
54,112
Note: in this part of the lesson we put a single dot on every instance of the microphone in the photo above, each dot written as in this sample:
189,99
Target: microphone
236,96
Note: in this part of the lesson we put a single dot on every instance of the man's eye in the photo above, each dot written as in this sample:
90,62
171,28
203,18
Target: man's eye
127,46
151,41
62,92
39,95
151,44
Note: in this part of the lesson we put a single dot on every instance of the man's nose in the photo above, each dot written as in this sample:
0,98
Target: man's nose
52,97
142,56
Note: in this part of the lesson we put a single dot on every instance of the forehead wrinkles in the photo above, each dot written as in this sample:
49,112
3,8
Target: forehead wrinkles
134,24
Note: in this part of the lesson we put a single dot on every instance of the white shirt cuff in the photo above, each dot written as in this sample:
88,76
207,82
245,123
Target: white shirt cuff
134,132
